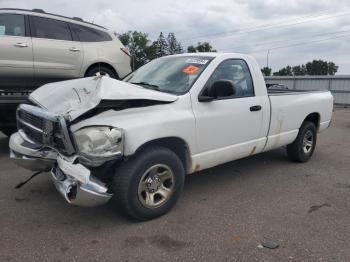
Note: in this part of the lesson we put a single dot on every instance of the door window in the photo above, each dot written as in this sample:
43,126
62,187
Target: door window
50,29
11,24
237,71
87,34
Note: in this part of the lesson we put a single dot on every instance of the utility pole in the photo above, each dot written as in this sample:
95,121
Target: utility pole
267,58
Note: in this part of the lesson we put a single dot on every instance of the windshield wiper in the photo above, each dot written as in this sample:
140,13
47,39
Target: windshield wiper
155,87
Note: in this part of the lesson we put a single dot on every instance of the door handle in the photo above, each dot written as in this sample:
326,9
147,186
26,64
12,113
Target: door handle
255,108
20,45
74,49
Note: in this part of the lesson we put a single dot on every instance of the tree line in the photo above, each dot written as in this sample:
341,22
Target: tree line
315,67
143,50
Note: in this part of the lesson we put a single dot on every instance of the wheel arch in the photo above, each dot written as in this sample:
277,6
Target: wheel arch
97,64
314,118
175,144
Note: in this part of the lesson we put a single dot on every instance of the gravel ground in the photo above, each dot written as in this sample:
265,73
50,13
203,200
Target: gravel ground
224,214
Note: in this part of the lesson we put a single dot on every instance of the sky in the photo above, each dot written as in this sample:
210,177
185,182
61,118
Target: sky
294,31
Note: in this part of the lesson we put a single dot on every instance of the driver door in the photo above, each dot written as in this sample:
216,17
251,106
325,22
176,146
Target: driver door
229,128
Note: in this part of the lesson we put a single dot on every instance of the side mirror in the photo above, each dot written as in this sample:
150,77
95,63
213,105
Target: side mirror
220,88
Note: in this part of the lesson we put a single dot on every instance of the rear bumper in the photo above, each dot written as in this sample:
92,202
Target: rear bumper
73,181
123,69
324,125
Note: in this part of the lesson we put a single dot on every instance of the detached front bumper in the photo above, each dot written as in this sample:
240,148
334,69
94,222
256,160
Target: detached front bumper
73,180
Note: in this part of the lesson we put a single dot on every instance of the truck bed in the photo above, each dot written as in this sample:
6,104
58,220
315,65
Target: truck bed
279,89
290,92
286,108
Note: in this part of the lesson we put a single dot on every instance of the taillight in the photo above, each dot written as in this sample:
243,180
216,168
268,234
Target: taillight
126,51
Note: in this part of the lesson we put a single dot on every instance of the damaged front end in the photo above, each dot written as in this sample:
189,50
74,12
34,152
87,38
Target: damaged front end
77,160
77,185
44,143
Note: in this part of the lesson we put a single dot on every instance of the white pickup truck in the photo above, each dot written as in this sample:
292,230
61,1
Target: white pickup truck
133,141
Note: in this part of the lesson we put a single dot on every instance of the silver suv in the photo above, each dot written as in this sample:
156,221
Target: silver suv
38,47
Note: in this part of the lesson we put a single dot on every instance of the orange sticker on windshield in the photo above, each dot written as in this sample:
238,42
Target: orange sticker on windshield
190,69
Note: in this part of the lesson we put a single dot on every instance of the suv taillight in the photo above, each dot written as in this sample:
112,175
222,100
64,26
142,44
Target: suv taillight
126,51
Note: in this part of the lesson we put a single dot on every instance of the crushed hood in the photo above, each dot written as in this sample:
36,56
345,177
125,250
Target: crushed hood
73,98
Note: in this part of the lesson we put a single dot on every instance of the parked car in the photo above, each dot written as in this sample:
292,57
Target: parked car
38,48
134,141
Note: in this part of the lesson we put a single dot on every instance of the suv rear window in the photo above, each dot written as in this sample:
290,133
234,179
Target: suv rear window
50,29
87,34
11,24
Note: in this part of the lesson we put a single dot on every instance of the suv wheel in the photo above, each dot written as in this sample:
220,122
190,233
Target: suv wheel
304,145
100,70
149,184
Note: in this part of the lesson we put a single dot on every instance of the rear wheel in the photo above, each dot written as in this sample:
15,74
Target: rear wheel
100,70
304,145
149,184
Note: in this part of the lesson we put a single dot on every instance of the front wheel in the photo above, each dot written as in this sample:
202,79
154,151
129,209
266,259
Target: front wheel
149,184
304,145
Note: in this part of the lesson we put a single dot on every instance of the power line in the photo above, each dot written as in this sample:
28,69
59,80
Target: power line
320,13
289,40
271,26
297,44
267,27
305,43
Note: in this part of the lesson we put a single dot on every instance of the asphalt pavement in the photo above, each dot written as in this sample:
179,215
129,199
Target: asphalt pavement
225,213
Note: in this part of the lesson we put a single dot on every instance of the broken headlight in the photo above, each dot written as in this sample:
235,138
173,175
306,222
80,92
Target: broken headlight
99,141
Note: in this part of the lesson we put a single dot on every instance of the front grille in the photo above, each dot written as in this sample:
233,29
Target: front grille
32,119
44,128
31,133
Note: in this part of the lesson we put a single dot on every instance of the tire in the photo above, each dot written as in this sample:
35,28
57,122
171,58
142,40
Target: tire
304,145
103,70
148,170
9,131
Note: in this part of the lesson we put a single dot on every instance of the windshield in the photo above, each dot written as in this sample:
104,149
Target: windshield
170,74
